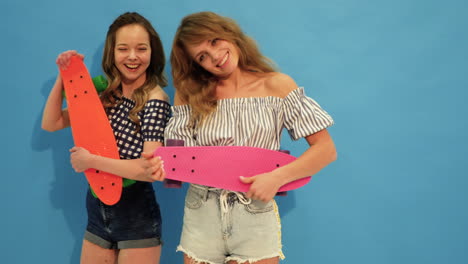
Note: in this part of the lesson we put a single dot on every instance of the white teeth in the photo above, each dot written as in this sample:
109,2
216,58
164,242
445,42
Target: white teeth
131,66
223,61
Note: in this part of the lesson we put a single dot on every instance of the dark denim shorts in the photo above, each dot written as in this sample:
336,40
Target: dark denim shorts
134,222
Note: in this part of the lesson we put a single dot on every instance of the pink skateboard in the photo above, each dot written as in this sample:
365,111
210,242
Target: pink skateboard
91,128
220,167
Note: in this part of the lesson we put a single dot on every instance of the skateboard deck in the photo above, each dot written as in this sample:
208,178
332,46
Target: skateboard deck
100,84
220,167
91,128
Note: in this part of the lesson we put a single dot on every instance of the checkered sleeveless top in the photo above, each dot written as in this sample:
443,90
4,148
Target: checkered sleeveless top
153,118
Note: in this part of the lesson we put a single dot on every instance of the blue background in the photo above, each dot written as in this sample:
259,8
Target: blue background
393,74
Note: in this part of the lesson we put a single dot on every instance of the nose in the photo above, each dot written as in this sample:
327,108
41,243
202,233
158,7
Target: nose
132,54
214,54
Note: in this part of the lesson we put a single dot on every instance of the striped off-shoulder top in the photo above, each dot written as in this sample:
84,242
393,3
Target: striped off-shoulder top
252,121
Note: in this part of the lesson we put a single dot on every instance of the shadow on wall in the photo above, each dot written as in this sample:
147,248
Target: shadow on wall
68,190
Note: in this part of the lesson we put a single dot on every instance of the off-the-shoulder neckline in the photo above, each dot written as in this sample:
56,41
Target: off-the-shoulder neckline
298,89
150,100
254,98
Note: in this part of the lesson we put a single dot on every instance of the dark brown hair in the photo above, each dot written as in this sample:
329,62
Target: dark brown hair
154,73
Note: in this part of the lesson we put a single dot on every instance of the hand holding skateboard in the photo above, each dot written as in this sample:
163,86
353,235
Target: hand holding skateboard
63,61
89,124
220,167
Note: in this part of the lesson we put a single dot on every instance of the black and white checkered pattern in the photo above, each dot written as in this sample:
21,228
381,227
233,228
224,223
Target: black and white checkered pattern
153,118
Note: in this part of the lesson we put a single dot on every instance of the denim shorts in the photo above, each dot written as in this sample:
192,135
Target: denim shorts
221,225
133,222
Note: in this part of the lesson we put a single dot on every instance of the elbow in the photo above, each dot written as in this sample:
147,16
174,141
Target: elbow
48,125
333,156
48,128
332,153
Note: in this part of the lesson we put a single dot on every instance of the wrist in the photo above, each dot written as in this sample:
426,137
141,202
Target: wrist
93,160
281,175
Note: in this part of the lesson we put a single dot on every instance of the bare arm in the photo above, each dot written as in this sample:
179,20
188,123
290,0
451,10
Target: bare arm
146,168
54,117
320,153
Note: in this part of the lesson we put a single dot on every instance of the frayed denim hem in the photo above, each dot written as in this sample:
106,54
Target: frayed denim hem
253,260
194,260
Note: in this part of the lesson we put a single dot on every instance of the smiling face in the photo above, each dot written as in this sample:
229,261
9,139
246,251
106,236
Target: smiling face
132,54
217,56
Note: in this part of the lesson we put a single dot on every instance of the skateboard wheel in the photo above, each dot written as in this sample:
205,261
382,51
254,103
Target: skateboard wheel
175,143
283,193
172,183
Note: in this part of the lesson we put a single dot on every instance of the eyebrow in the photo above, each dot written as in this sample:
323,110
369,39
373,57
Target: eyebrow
139,44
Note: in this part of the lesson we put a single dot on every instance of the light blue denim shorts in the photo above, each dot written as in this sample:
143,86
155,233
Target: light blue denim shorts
221,225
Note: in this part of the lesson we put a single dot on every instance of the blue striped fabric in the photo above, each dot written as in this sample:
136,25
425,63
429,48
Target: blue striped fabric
253,121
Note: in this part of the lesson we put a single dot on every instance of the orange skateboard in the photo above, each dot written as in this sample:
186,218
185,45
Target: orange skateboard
91,128
221,167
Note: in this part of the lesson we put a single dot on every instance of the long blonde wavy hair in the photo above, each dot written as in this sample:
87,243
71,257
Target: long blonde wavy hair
196,86
154,73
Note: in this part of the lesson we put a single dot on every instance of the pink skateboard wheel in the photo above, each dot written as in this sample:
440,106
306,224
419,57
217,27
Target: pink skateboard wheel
283,193
173,143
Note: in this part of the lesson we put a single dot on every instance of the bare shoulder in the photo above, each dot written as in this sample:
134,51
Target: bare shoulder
279,84
159,94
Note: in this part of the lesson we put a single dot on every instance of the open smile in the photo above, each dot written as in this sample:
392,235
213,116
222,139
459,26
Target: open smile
223,61
132,67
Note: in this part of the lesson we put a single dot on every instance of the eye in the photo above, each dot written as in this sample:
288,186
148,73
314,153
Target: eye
142,47
200,59
213,41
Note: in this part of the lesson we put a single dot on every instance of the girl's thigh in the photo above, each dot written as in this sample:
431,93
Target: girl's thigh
94,254
149,255
274,260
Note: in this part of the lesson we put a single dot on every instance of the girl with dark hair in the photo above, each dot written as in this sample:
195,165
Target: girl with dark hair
138,110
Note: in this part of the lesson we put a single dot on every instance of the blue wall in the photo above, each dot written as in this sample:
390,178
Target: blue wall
392,73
